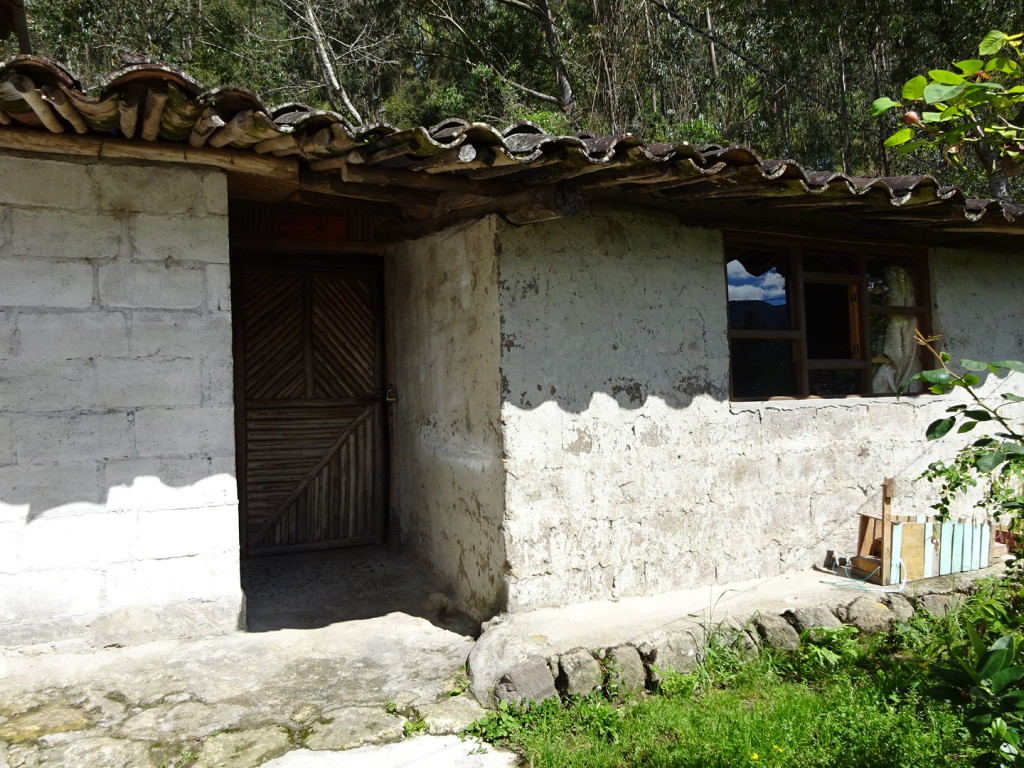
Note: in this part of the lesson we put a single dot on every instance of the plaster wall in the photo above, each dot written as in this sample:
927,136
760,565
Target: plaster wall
118,508
629,472
447,471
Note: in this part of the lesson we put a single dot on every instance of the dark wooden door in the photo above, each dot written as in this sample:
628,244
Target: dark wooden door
312,458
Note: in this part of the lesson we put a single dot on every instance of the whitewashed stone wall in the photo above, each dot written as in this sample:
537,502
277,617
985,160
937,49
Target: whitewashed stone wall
447,472
118,509
629,472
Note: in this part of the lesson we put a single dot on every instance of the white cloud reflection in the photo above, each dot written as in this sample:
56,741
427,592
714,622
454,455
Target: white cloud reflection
743,286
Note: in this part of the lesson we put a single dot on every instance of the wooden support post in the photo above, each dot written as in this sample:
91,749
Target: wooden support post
887,491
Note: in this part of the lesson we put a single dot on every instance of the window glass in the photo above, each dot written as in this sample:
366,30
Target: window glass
762,368
895,356
829,330
758,293
833,383
890,282
811,319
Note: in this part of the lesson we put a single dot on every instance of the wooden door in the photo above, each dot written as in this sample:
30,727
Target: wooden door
309,354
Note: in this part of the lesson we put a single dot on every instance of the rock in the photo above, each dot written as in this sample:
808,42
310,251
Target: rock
777,632
868,615
811,618
305,713
100,751
190,720
530,681
902,608
579,673
243,749
679,650
738,634
450,715
354,726
52,718
939,605
625,670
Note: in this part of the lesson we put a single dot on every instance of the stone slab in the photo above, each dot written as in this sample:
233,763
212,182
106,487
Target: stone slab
422,752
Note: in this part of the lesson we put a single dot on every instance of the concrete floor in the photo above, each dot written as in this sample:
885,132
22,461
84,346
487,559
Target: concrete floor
316,589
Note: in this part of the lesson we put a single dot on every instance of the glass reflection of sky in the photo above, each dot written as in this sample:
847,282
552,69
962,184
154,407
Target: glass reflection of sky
743,286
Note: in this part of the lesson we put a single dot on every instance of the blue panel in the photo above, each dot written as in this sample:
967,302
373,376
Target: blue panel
946,550
976,557
986,544
897,551
957,563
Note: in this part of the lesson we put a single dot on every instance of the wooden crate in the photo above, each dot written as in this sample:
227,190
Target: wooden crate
896,548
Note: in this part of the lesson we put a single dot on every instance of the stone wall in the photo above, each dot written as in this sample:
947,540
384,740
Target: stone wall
118,509
447,473
629,472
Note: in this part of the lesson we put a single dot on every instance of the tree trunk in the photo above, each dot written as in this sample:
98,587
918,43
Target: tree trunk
335,90
565,94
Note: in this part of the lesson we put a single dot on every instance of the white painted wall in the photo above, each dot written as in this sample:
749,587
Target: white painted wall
629,472
118,509
447,473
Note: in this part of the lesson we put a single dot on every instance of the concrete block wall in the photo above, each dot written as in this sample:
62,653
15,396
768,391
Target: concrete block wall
118,503
627,469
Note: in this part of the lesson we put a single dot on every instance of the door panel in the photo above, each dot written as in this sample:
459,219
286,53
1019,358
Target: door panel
312,451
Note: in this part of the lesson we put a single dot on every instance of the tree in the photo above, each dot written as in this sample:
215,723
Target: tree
979,107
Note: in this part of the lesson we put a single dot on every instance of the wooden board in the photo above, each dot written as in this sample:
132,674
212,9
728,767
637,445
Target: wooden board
913,551
312,453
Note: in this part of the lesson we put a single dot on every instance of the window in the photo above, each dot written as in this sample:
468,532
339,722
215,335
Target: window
819,320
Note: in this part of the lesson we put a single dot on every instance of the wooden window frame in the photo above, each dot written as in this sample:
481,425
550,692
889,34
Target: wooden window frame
796,249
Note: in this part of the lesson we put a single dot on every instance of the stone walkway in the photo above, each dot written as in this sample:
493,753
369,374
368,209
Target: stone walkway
239,700
383,692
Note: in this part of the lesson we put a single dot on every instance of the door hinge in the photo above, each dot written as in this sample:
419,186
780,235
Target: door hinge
390,394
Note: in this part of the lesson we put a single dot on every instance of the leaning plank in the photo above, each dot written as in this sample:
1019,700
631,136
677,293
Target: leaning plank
111,147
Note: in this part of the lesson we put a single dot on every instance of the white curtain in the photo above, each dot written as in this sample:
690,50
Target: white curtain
899,348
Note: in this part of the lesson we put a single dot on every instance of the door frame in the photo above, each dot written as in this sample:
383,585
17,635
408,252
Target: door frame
314,259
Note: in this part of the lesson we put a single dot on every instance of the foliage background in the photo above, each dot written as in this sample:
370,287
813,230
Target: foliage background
792,79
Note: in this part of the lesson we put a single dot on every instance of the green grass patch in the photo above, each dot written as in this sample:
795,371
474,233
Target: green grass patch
841,700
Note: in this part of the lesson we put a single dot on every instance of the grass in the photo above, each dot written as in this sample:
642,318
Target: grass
842,700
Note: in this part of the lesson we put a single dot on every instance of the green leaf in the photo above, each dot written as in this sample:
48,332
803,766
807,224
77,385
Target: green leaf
931,117
1004,677
945,77
910,146
970,380
969,66
973,365
1012,397
1010,365
978,415
882,105
1002,64
901,136
967,426
989,461
937,92
992,43
940,428
914,89
955,408
999,656
936,376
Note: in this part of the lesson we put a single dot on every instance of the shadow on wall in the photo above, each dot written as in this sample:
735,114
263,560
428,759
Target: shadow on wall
116,487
